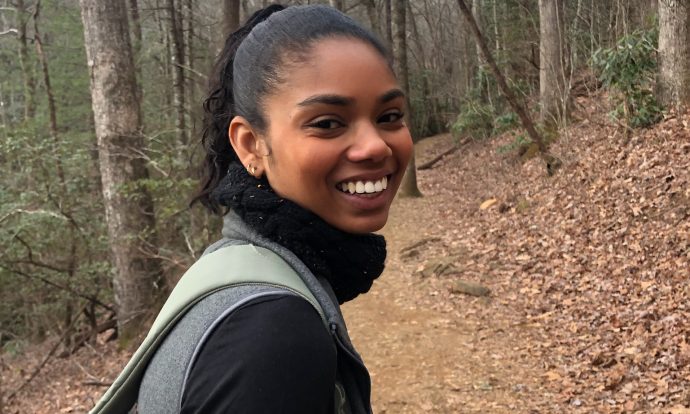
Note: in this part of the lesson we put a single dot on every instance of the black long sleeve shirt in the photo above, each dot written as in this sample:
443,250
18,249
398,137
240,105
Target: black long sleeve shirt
273,355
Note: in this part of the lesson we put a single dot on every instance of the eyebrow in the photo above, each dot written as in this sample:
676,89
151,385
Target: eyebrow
339,100
390,95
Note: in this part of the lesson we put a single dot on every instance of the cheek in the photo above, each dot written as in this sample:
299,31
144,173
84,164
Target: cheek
403,147
319,159
305,162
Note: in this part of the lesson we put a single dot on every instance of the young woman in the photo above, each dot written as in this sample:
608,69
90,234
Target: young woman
306,147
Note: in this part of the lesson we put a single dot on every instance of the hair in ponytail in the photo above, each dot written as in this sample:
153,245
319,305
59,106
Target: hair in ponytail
219,109
250,66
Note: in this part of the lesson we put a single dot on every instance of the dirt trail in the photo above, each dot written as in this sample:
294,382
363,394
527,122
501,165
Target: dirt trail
432,351
428,350
587,311
586,269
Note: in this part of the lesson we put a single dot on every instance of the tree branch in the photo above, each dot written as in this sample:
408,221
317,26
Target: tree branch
31,261
40,264
32,212
59,286
519,109
82,338
8,31
191,70
46,359
430,164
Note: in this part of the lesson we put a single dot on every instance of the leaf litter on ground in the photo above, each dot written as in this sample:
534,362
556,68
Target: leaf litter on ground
588,272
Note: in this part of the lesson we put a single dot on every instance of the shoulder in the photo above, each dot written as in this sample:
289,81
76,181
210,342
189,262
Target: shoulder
274,345
273,324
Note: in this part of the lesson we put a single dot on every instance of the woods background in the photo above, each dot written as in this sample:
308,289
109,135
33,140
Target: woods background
100,117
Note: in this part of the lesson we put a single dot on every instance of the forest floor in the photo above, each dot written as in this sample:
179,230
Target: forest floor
589,303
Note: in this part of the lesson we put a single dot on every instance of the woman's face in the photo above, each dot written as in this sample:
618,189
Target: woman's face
339,144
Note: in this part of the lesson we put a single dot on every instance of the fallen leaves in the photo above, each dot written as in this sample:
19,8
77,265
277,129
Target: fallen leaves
601,250
588,272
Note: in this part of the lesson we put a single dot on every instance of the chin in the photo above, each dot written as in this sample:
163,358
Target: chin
362,225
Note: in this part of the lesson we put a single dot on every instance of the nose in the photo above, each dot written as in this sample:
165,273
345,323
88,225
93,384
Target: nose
369,144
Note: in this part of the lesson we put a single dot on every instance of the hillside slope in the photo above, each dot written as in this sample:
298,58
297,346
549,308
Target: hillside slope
588,271
592,263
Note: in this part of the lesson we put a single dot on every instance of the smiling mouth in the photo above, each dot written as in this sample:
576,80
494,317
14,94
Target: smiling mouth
364,188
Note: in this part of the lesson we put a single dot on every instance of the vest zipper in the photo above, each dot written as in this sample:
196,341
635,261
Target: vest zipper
334,332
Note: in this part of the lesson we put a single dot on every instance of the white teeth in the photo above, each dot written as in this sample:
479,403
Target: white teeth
364,187
359,187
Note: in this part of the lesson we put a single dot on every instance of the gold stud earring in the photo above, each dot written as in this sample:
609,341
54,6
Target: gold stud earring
252,169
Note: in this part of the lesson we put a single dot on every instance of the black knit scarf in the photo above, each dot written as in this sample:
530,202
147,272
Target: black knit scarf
350,262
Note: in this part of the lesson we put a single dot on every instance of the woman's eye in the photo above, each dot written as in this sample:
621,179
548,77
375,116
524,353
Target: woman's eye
326,124
391,117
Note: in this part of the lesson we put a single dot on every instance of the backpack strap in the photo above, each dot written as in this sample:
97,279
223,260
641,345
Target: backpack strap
229,266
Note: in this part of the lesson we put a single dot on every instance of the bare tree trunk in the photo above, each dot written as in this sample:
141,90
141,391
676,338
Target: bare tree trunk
477,14
177,63
497,40
231,17
574,57
431,118
27,73
2,394
57,199
399,28
194,108
338,4
481,78
507,92
136,27
373,17
650,12
136,44
52,111
420,48
163,61
408,187
552,91
592,27
465,64
3,116
622,14
388,15
117,117
497,35
674,53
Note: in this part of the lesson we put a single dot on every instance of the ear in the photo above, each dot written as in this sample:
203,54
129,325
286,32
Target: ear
247,145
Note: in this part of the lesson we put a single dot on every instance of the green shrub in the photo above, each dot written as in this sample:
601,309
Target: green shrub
505,122
643,110
520,140
474,120
628,69
481,121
